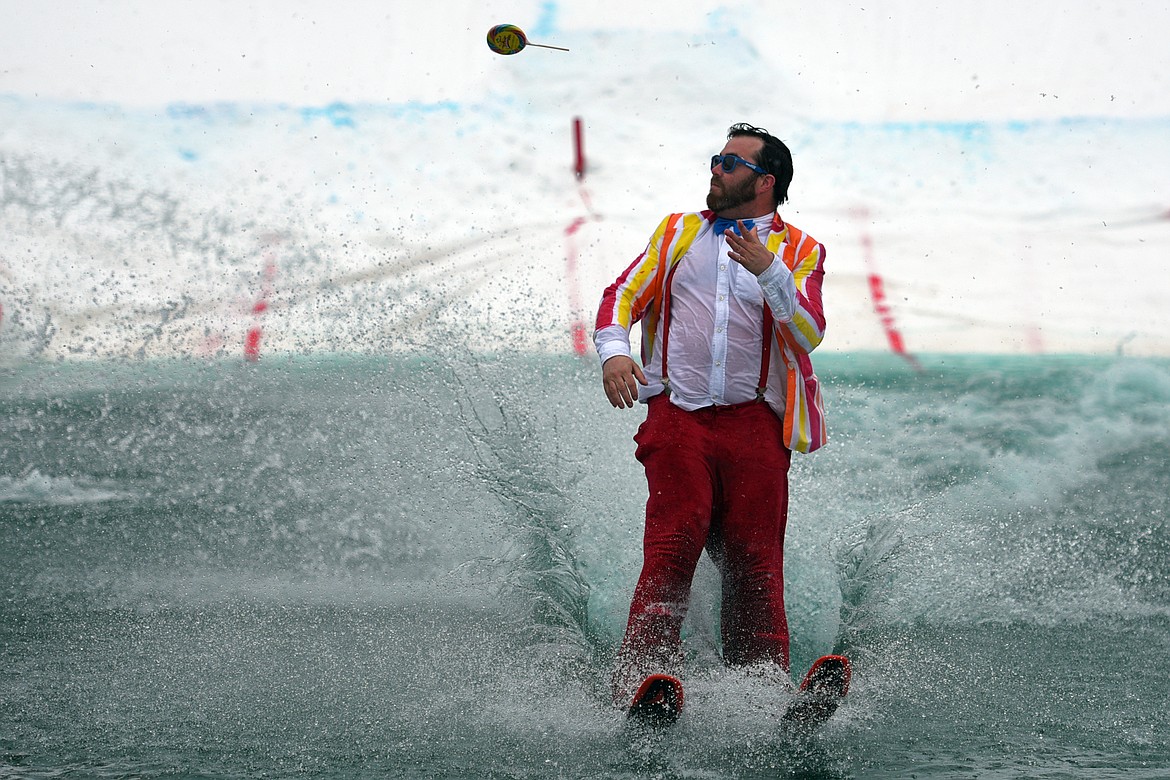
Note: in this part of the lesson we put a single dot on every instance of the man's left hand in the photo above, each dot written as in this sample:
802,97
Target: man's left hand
747,250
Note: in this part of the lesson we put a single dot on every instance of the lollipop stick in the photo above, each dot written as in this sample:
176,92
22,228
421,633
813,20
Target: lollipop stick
542,46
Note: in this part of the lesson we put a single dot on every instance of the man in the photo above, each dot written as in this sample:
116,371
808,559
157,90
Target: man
730,305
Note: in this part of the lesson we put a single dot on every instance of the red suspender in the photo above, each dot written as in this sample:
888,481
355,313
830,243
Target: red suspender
666,326
662,278
765,353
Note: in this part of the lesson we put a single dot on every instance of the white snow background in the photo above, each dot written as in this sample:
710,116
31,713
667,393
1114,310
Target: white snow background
989,177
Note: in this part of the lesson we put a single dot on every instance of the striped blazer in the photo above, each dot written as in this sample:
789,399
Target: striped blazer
637,293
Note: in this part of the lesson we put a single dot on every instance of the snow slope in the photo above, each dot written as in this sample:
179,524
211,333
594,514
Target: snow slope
369,176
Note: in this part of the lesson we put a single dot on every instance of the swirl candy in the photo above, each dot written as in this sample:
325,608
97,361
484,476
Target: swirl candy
506,39
510,39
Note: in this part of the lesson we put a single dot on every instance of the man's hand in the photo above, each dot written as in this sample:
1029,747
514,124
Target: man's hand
620,377
747,250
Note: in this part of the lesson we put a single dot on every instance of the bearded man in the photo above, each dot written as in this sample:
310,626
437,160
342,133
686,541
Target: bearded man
729,301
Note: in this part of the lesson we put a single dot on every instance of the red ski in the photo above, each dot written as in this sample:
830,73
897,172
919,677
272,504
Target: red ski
658,701
821,691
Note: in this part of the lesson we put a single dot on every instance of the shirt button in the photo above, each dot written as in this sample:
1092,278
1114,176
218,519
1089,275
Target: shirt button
723,267
722,297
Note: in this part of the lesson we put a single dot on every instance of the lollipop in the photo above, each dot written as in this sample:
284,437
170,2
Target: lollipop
510,39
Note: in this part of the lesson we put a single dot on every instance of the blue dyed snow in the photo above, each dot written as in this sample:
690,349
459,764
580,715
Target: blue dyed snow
546,23
337,114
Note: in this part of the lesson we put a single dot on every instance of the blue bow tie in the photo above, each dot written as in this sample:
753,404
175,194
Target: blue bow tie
722,224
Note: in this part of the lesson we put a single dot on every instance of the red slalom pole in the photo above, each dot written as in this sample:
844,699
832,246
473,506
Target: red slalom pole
580,338
256,332
579,149
877,295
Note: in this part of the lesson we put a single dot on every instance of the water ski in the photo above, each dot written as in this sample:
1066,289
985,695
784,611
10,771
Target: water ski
821,691
658,701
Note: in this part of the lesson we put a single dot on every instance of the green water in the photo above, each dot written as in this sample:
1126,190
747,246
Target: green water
360,567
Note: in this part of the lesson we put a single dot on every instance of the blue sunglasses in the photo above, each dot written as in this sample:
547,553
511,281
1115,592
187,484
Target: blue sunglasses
728,162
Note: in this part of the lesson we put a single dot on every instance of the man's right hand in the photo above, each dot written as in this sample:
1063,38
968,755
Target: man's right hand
620,376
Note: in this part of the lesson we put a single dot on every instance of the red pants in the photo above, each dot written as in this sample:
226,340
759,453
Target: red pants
718,478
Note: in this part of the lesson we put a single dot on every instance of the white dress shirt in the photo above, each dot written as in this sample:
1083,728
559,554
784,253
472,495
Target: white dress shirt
716,328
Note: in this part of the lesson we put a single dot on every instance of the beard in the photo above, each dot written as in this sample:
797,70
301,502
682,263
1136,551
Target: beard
725,199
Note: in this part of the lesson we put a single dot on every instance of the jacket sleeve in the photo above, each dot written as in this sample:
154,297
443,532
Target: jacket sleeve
805,329
631,295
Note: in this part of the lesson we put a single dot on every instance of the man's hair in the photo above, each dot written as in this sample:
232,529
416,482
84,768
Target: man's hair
775,158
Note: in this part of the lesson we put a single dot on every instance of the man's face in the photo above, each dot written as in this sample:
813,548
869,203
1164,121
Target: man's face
729,190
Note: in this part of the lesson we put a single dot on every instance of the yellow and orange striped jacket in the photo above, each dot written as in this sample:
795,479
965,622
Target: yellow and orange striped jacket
636,295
